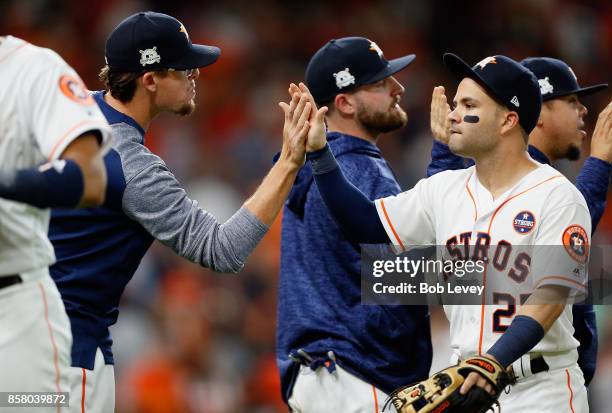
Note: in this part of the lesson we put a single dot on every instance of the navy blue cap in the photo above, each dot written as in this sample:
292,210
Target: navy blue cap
347,63
556,78
507,81
149,41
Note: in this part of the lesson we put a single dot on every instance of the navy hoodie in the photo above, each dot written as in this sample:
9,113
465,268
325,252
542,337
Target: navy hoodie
320,285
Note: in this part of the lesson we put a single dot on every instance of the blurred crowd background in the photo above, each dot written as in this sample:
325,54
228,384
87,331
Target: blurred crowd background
189,340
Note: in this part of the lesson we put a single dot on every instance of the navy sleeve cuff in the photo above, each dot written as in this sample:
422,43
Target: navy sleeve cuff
322,161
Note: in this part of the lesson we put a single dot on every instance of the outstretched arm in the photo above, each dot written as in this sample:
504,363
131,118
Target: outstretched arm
267,201
594,177
155,199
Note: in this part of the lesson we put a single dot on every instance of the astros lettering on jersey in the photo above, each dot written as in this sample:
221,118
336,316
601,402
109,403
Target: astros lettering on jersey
453,208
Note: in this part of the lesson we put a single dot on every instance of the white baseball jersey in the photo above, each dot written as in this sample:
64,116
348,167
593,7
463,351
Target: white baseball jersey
537,231
45,106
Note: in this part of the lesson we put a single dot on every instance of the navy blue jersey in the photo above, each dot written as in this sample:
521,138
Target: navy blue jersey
320,306
89,273
99,249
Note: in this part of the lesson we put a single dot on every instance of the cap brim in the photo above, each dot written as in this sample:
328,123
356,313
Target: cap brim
394,66
584,91
461,70
199,56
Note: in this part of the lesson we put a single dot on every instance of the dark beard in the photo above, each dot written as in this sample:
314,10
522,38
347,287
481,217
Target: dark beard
382,122
186,109
573,153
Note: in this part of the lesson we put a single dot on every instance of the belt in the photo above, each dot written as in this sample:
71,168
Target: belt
538,365
521,369
8,280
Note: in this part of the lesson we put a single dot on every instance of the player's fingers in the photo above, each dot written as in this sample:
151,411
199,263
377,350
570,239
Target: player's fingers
303,133
305,89
285,108
299,108
293,88
489,388
471,379
320,115
294,101
305,114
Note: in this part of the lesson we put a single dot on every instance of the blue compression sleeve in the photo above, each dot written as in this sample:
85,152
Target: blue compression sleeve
522,335
58,184
354,212
593,182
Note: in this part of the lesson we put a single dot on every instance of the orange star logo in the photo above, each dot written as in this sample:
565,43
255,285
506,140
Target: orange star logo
486,61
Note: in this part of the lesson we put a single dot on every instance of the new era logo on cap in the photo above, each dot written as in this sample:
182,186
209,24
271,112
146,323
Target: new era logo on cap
347,63
556,78
511,84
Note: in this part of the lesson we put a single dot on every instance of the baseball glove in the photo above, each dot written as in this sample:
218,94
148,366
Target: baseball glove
440,392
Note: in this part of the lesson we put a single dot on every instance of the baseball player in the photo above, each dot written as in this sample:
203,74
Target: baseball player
505,199
51,136
152,67
558,135
333,354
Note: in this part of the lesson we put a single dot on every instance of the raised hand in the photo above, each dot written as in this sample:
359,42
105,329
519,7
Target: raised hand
316,135
601,143
440,124
295,129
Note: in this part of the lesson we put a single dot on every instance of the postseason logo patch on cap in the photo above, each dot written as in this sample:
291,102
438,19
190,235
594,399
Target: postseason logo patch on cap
523,222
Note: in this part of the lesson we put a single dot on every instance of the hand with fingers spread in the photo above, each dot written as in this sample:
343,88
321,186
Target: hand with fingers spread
601,143
316,135
295,129
440,124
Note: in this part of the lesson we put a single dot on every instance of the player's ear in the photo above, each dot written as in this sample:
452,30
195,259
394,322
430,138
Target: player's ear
510,121
148,81
345,104
546,109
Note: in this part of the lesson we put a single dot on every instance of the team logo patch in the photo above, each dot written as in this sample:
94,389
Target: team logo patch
75,90
149,56
545,86
524,222
576,243
344,78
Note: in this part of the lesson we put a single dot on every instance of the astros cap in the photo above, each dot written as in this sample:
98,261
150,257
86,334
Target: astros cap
149,41
510,83
557,79
347,63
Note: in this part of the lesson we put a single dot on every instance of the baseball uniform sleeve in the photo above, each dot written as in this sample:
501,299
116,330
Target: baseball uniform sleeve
408,218
60,108
561,249
154,198
593,182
